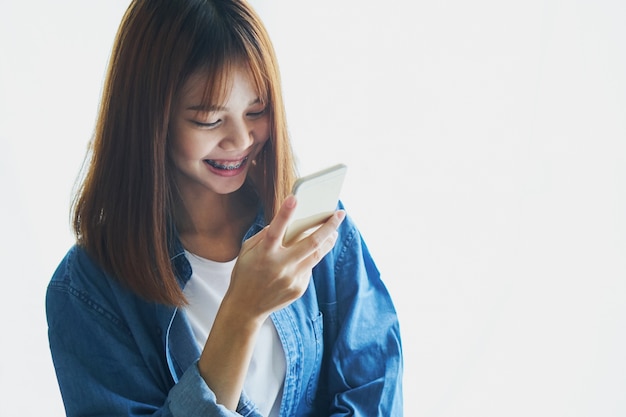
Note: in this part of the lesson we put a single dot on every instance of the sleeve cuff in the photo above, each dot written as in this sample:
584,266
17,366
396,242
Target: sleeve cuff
191,396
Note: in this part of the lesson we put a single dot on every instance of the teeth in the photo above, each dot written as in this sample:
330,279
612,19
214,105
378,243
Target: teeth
227,166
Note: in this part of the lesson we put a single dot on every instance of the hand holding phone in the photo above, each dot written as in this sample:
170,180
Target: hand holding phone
317,196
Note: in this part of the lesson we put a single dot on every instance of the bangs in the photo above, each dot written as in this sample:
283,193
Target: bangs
220,77
230,50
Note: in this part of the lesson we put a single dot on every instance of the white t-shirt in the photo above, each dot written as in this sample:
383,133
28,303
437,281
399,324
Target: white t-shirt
205,291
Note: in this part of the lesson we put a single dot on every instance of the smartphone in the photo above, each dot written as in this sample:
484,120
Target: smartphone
317,195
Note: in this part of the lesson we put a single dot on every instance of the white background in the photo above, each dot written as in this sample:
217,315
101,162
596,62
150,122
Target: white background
486,144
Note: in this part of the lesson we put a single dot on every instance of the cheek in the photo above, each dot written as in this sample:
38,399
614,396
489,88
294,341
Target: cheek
183,145
262,132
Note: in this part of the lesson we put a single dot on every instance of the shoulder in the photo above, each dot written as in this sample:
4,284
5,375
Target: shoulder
350,256
76,268
79,285
348,229
350,243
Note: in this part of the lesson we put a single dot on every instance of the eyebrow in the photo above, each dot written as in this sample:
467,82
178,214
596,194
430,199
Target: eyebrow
212,107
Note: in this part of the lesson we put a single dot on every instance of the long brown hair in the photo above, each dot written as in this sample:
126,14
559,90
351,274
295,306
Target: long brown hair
123,211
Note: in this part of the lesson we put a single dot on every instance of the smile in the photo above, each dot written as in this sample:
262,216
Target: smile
226,165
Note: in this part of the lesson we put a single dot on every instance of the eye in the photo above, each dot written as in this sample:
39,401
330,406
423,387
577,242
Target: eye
256,114
208,125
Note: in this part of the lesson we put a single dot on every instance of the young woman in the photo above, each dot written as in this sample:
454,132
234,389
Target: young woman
179,298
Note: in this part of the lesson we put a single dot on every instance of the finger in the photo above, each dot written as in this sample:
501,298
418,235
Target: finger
333,221
318,240
320,251
278,225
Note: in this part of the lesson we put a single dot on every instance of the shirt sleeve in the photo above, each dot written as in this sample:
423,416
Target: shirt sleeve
192,397
364,359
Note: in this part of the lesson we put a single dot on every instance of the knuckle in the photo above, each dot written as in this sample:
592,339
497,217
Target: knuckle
316,241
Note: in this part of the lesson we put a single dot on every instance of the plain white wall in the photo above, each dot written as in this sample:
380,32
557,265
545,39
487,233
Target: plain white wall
486,144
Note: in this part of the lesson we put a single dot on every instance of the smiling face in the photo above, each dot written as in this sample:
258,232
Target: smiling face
213,146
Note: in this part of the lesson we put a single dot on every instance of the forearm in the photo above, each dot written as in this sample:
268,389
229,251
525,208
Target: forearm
227,353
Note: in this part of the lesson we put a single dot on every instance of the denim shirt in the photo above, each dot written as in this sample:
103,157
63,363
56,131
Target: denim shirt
116,354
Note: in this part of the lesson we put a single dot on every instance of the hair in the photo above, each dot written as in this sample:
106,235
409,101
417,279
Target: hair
123,212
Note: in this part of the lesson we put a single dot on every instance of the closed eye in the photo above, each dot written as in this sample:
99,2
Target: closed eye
256,114
207,124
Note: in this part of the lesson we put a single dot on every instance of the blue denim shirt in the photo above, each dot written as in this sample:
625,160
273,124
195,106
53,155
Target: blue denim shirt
116,354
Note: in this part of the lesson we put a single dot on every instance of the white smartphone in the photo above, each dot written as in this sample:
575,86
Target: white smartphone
317,195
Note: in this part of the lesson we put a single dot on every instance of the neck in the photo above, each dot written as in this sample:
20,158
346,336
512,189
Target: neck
212,225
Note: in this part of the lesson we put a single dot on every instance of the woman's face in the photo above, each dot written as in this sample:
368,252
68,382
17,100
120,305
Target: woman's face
213,147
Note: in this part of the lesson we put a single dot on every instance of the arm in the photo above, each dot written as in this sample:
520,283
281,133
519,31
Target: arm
364,353
267,277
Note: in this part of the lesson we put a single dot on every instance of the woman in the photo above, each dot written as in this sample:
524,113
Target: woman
179,298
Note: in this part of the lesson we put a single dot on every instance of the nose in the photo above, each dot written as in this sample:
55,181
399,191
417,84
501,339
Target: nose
239,136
